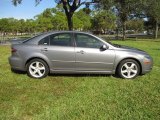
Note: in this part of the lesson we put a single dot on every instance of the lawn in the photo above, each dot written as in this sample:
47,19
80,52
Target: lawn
81,97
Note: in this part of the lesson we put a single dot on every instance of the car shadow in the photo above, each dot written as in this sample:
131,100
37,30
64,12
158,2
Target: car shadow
79,75
18,71
69,75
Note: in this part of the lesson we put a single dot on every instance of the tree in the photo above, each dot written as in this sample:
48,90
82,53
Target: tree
69,6
27,26
44,24
77,23
136,25
21,26
123,8
59,21
152,11
85,19
4,25
14,26
103,20
9,25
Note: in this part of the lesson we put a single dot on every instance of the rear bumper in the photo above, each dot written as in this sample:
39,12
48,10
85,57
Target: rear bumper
16,63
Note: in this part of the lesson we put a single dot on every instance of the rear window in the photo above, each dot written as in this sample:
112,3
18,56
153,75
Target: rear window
25,41
61,40
44,41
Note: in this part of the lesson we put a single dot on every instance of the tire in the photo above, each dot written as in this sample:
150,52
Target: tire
37,68
128,69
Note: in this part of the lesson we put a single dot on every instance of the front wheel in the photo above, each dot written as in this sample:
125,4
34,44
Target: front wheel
37,68
128,69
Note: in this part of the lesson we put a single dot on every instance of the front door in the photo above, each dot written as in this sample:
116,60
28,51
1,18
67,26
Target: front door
89,56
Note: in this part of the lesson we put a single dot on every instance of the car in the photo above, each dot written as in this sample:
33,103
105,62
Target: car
72,52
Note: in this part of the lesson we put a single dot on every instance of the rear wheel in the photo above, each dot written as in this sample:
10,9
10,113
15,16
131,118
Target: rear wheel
128,69
37,68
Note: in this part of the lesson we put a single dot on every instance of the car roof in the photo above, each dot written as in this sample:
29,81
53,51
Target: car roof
51,32
36,38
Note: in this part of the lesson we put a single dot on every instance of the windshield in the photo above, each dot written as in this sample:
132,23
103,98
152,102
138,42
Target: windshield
115,45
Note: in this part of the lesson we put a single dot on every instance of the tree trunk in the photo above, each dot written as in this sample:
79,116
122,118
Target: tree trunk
70,22
124,30
156,30
117,31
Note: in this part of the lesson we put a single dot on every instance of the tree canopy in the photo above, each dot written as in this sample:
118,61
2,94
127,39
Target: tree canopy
152,12
108,14
69,6
103,20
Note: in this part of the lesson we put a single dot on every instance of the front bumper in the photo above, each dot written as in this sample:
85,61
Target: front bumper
147,65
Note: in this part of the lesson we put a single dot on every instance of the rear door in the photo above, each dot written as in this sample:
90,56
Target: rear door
89,57
60,51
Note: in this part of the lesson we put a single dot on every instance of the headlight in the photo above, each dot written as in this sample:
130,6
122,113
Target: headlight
147,59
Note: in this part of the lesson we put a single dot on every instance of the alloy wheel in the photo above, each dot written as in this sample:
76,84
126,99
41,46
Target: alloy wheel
129,70
37,69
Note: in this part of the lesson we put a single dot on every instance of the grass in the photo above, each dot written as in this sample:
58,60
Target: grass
85,97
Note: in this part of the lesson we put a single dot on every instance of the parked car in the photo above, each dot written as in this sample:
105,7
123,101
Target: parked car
77,53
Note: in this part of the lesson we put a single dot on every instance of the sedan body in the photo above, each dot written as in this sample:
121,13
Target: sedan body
77,52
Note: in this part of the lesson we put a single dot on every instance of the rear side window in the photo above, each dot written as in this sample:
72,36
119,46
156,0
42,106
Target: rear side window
44,41
63,39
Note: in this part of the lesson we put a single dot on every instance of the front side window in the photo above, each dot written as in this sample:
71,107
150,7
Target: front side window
63,39
87,41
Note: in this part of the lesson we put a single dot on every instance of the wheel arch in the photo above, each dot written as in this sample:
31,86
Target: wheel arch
37,58
140,65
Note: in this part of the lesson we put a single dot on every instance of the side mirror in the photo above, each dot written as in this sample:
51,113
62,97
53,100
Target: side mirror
104,47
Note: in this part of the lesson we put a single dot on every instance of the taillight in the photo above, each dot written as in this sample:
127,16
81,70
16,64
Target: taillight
13,50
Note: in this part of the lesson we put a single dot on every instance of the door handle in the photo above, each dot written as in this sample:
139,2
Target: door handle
81,52
44,49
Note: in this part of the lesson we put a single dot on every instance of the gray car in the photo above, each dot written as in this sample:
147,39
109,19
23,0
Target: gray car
77,52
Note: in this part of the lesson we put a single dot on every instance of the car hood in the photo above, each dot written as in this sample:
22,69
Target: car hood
123,47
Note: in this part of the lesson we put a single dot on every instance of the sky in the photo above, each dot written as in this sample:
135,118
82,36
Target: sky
26,10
